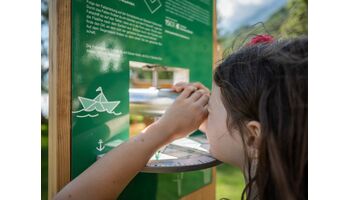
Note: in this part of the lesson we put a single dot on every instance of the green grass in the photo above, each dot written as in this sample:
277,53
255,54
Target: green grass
44,161
229,180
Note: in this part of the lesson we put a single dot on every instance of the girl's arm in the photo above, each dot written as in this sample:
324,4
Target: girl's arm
107,178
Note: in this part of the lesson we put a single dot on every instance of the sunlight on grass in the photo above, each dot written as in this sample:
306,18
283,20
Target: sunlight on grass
44,161
229,182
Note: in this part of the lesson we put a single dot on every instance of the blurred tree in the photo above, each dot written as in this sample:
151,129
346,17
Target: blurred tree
44,45
297,22
290,21
44,60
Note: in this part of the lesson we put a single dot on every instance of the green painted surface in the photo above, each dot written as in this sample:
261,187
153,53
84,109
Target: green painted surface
106,36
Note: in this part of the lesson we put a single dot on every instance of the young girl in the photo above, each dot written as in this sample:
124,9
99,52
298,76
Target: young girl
255,119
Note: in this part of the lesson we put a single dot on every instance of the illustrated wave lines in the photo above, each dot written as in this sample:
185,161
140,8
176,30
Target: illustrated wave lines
87,115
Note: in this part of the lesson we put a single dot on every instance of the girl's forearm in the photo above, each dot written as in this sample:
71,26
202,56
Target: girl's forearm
107,178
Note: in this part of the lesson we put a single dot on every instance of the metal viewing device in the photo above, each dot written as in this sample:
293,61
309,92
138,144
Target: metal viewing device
185,154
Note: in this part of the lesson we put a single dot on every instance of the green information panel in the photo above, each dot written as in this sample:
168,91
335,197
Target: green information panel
121,46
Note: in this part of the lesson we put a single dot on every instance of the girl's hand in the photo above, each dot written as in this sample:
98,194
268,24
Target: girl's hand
180,86
187,113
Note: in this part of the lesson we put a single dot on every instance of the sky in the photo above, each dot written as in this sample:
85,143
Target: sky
236,13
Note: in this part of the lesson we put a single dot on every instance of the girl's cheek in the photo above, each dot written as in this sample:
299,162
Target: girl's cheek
227,150
213,131
224,146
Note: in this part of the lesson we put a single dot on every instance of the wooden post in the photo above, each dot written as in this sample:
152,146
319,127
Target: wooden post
59,94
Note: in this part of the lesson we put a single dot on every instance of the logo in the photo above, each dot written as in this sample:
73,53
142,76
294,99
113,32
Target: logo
153,5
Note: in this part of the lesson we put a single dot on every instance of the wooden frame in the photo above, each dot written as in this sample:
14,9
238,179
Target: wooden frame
59,94
60,97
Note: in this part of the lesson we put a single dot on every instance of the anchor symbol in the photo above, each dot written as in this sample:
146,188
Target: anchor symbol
100,148
178,180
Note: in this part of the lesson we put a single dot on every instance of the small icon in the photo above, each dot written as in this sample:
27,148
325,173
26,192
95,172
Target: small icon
178,180
100,147
153,5
99,104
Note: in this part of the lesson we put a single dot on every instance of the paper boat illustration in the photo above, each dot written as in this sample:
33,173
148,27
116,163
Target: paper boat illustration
99,103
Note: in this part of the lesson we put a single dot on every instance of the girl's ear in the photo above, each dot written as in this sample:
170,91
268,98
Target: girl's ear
254,132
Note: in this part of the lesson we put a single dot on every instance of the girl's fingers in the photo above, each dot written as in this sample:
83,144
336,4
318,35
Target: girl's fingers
187,92
203,100
200,86
196,95
181,83
178,87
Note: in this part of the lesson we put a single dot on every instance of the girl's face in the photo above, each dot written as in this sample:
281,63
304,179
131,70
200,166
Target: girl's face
225,145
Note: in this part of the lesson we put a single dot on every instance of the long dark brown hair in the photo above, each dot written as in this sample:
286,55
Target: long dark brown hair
267,82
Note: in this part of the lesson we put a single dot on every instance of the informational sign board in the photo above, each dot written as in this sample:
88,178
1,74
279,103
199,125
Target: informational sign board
113,47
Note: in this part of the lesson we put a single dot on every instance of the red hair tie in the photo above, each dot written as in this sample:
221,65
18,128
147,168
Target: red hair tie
260,39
